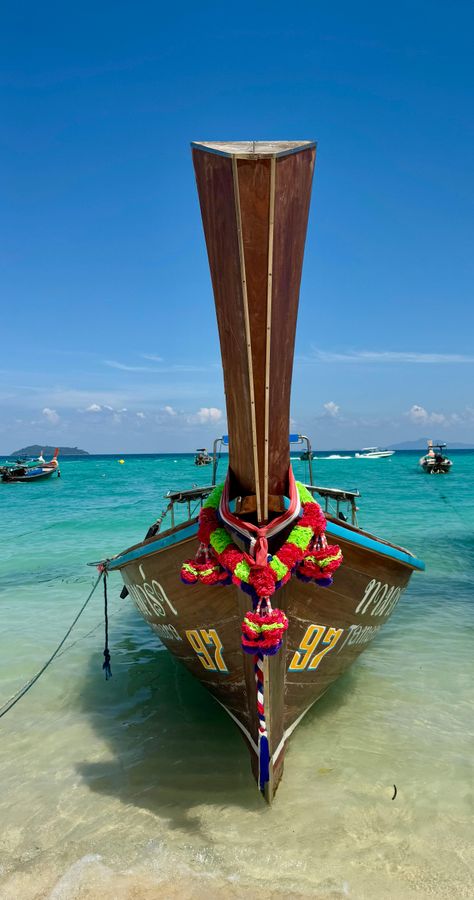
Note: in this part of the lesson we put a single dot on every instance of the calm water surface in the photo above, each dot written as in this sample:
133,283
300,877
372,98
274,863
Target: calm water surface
140,787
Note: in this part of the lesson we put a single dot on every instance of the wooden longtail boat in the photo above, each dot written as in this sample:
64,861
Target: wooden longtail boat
254,201
435,462
30,470
27,475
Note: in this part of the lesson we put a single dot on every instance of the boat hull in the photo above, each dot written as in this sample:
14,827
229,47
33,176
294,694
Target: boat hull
382,454
328,628
436,468
32,475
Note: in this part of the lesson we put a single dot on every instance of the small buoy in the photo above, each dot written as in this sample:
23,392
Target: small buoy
121,461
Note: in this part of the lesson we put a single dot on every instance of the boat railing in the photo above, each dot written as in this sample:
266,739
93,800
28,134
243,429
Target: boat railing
194,496
336,502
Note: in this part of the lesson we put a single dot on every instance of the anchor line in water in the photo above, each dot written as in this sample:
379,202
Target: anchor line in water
13,700
432,486
87,634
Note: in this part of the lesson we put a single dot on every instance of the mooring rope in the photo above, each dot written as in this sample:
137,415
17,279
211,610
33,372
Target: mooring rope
13,700
432,486
87,634
106,663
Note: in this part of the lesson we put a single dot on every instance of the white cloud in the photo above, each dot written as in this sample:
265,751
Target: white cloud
388,356
174,368
151,357
141,415
170,410
51,415
94,408
125,368
331,408
421,416
208,414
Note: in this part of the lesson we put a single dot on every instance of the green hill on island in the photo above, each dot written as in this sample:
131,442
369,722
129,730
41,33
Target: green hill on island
35,450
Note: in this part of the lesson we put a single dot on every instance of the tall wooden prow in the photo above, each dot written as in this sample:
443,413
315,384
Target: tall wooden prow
254,199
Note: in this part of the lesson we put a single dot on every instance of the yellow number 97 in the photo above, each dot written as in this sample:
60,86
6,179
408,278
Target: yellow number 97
200,641
303,658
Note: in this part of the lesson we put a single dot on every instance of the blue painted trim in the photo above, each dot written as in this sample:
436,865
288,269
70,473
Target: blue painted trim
355,537
168,541
352,537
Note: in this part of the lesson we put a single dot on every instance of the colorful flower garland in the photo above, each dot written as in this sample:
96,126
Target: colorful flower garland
219,561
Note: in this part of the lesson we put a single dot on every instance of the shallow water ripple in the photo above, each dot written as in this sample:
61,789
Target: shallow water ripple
140,788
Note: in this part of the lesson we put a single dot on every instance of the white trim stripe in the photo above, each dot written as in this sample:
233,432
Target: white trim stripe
247,335
271,223
239,723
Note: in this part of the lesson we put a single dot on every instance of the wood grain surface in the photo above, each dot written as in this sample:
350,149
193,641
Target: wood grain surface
256,324
365,592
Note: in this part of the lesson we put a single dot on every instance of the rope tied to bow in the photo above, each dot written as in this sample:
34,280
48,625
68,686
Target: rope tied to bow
106,664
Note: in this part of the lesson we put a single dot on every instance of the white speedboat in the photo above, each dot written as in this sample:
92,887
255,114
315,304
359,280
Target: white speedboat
373,453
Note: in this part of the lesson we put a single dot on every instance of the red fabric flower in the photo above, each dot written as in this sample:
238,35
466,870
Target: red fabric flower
262,579
289,555
309,569
313,517
207,523
230,557
330,550
214,574
189,577
331,567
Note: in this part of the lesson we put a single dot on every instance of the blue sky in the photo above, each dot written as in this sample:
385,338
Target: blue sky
108,336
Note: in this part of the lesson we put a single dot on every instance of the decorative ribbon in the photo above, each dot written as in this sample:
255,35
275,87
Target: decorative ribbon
258,535
263,747
220,561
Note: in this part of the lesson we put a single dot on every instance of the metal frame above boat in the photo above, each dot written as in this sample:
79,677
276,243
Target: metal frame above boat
293,438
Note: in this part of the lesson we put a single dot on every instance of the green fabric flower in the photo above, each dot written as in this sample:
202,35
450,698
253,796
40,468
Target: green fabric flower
242,570
279,568
215,497
304,494
220,539
301,536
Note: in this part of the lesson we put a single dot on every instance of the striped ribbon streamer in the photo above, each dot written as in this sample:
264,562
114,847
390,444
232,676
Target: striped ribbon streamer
263,748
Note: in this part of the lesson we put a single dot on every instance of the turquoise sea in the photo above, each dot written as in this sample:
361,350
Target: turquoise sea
140,787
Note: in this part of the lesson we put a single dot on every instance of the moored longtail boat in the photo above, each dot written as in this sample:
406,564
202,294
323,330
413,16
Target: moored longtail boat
26,471
278,599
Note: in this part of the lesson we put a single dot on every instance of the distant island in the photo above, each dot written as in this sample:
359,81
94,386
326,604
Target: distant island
35,450
420,444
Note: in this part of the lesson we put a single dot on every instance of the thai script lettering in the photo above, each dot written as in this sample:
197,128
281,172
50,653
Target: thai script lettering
359,634
166,632
380,599
151,599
